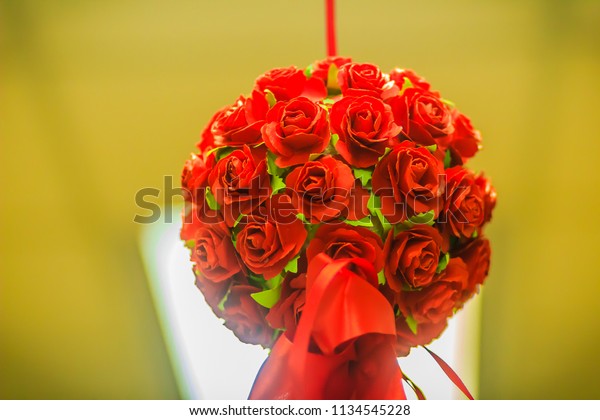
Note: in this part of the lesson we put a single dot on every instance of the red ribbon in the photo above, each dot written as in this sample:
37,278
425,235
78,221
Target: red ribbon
343,347
344,344
450,374
330,24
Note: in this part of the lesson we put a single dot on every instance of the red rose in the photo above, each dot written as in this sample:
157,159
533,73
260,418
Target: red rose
268,241
476,255
489,196
411,257
424,118
213,293
213,252
365,126
284,83
194,177
321,188
465,141
356,79
341,240
296,129
207,140
463,212
239,182
285,314
245,317
398,76
320,69
409,181
232,126
435,302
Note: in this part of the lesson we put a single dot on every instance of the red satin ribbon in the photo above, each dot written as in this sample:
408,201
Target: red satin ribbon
344,343
450,374
330,24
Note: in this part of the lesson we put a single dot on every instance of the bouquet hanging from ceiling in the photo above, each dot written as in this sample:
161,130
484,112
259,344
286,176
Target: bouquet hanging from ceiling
330,217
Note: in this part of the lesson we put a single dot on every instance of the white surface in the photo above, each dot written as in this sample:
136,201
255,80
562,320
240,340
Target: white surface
211,363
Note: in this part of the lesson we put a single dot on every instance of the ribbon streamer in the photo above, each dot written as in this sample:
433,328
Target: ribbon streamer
450,374
344,344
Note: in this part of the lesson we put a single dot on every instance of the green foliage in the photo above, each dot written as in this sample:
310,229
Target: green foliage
210,199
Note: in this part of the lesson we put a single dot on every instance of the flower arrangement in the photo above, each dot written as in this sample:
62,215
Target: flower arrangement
330,217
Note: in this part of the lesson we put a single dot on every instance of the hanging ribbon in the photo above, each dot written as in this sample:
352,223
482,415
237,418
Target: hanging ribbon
451,374
343,347
330,25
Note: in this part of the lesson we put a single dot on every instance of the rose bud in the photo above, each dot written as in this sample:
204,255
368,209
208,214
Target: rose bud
424,118
412,257
321,188
284,83
341,240
409,181
476,255
465,141
435,302
245,317
365,126
463,212
285,314
269,239
240,183
356,79
232,126
213,253
296,129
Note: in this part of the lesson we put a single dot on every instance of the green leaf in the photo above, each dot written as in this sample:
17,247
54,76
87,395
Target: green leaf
274,282
381,277
475,234
385,153
237,221
412,324
272,167
332,83
222,302
334,139
432,148
292,266
190,244
449,103
365,221
374,206
221,152
423,218
267,298
301,216
308,71
328,101
444,259
277,184
364,175
406,84
210,199
447,159
314,156
271,100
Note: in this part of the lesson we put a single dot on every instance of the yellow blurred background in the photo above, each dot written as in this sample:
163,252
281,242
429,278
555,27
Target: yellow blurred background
99,99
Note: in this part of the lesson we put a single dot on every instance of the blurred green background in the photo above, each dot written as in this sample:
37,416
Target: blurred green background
101,98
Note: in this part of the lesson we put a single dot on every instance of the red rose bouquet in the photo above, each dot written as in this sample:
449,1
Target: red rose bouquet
330,218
